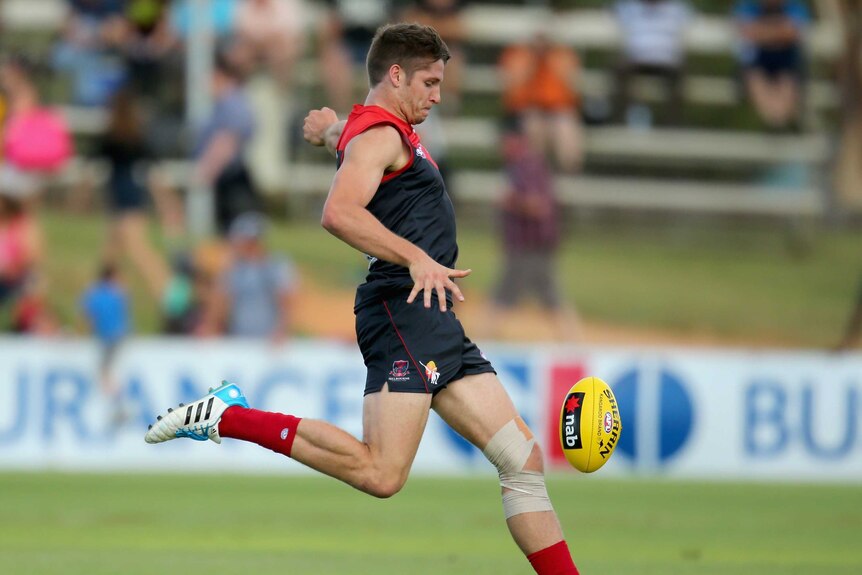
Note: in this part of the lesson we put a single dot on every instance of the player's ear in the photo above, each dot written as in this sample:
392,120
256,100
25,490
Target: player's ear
396,75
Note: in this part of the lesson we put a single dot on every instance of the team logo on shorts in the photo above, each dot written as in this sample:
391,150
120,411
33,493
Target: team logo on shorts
400,370
431,373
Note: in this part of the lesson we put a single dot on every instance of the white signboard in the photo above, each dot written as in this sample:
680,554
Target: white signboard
715,414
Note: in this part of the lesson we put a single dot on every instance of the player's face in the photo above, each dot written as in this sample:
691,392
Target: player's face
423,92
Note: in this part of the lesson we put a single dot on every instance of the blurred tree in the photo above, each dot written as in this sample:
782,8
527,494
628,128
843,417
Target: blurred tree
848,165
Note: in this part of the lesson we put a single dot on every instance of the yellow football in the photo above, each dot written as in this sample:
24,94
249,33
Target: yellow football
590,424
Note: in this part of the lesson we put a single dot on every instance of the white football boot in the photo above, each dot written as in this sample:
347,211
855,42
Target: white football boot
197,420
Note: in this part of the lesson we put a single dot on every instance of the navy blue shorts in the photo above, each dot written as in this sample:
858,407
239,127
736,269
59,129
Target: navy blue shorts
775,63
414,349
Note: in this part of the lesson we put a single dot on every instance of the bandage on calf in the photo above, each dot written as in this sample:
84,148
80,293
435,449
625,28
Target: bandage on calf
508,451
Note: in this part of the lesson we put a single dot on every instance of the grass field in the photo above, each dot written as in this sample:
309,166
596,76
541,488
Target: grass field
134,524
757,284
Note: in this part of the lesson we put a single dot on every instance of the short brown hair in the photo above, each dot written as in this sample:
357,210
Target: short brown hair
411,46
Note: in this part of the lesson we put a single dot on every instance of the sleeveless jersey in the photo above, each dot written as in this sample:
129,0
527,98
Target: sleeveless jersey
411,202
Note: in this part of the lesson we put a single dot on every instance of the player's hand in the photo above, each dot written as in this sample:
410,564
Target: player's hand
429,276
316,123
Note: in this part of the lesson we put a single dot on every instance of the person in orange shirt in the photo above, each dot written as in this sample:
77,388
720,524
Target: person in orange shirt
540,80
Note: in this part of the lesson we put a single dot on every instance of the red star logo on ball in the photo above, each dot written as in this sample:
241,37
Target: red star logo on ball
573,403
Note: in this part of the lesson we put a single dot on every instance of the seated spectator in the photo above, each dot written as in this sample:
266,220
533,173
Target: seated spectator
540,81
344,38
23,294
32,313
220,150
772,34
255,293
35,138
21,247
93,32
653,33
188,302
446,17
186,297
273,32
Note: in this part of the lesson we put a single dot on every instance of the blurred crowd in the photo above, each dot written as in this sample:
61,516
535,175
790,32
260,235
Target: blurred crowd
126,59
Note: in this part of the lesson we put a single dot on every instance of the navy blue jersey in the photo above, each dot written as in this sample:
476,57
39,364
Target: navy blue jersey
411,202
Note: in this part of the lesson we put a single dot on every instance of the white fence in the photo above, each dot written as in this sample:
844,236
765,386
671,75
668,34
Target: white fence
687,413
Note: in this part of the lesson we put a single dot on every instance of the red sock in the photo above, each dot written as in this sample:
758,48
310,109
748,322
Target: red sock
553,560
274,431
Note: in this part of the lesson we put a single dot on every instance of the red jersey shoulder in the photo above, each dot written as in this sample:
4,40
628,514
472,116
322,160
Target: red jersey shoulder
364,117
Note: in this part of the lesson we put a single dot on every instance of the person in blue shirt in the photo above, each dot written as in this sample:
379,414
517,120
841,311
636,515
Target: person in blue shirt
255,296
772,55
105,307
91,34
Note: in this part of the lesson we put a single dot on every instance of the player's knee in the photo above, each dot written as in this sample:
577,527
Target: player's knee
518,459
536,461
383,485
511,447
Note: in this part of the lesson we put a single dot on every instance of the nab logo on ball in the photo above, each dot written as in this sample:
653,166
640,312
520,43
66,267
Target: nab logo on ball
571,421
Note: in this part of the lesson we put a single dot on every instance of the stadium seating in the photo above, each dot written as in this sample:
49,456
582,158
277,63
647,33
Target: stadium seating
699,169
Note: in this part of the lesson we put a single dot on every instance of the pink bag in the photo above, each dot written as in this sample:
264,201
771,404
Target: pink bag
37,140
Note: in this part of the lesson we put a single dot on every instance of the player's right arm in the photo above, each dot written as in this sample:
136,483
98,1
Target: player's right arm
367,158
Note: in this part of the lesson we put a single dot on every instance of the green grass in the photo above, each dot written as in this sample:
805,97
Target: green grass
134,524
750,284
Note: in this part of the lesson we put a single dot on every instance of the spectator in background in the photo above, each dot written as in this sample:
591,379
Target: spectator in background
106,311
272,31
540,81
270,37
35,138
345,36
185,301
220,161
772,34
653,35
149,46
254,296
530,215
21,250
35,141
93,33
131,174
32,313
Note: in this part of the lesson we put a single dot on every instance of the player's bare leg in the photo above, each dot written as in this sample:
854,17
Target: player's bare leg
393,424
478,408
